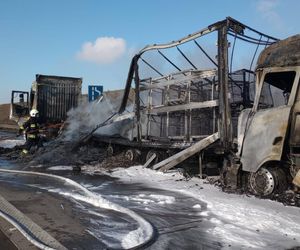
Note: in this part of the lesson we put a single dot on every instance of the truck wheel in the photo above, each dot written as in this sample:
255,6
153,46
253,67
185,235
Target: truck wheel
110,150
132,154
267,181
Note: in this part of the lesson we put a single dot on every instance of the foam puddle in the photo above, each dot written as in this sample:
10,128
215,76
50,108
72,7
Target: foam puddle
60,168
146,199
10,143
114,227
130,240
134,238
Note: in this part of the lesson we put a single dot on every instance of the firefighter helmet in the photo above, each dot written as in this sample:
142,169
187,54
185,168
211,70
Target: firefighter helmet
34,113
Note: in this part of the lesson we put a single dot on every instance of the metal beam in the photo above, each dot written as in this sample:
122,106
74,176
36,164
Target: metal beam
186,79
186,58
174,160
128,84
189,106
224,108
151,67
188,38
168,60
137,102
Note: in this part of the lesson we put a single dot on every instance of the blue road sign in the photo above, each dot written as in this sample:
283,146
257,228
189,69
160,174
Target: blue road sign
94,92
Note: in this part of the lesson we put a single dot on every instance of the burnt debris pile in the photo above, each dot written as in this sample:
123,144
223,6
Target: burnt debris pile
74,145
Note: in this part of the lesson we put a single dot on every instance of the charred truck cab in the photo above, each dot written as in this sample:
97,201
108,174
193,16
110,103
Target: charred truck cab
269,133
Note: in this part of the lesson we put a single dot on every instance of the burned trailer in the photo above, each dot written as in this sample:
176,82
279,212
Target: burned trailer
189,94
184,106
179,110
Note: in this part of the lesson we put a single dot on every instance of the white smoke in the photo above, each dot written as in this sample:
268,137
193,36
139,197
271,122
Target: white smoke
82,120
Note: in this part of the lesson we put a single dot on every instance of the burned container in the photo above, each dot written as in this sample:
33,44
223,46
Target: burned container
54,96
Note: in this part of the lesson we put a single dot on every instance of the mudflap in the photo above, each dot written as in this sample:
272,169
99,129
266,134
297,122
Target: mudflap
231,176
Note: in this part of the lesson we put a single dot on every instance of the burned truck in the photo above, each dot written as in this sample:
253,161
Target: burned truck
230,121
268,133
52,96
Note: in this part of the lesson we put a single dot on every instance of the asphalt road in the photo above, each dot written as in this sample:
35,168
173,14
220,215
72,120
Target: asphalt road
5,243
78,225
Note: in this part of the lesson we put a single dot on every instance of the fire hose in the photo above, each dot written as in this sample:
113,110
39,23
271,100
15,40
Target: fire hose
31,231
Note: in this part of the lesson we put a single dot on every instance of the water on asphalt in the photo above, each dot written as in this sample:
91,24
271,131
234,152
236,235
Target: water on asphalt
178,220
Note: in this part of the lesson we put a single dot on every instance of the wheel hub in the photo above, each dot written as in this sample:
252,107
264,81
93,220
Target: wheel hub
262,182
129,155
110,151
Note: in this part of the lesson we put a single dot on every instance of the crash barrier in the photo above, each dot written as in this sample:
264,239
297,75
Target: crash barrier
31,231
145,232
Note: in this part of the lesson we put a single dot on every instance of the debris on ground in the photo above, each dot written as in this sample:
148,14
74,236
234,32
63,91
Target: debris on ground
116,161
58,152
288,198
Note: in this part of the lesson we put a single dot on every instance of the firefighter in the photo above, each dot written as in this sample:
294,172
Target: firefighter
31,130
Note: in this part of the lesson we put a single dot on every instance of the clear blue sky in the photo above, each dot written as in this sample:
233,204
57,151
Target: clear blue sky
95,39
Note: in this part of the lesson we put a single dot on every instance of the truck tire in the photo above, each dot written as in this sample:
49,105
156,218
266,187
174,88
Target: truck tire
132,154
110,150
267,181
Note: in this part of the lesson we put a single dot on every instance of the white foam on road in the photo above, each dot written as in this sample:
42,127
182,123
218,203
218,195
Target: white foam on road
197,206
238,221
163,199
135,238
10,143
60,168
147,198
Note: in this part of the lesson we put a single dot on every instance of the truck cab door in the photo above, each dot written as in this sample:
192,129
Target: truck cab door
19,106
268,124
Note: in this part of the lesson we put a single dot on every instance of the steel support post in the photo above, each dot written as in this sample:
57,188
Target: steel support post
224,108
137,100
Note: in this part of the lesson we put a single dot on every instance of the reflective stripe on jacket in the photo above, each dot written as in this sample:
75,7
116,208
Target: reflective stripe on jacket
31,136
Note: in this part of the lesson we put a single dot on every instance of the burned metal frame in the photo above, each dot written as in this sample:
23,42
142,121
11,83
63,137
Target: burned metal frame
224,28
21,107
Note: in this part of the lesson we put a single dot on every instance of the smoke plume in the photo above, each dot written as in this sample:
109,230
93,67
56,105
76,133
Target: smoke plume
82,120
